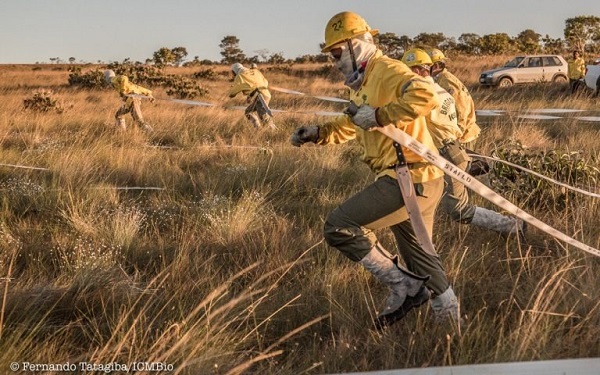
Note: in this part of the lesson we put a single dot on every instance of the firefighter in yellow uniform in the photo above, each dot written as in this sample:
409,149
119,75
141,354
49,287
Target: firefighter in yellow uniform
576,71
465,107
253,84
386,92
443,126
131,104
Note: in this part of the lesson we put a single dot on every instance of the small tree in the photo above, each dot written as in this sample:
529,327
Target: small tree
583,31
263,54
429,39
554,46
230,50
391,45
495,44
448,44
469,43
276,58
163,57
179,54
528,41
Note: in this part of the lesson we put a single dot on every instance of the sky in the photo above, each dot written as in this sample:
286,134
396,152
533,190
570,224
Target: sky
113,30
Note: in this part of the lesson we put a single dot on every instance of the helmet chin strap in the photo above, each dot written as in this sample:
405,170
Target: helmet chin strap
351,50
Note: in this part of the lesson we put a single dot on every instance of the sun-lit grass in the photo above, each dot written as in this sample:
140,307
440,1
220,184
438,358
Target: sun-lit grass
224,270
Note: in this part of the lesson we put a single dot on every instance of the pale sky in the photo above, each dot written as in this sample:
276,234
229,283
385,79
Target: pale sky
112,30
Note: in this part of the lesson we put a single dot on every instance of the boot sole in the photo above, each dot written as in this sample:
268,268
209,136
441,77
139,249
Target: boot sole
410,303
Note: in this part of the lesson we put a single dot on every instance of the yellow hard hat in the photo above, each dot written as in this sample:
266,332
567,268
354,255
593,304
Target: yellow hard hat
416,56
343,26
436,55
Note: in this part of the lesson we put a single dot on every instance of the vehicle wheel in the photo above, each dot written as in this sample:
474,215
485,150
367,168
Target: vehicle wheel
561,80
505,82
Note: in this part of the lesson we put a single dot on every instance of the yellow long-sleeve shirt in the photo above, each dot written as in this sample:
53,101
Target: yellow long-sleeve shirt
465,107
442,121
403,99
249,80
576,68
125,87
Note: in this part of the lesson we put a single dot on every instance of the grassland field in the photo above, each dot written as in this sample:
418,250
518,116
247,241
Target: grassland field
219,266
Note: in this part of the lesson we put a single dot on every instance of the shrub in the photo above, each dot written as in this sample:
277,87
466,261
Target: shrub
43,101
569,167
145,75
208,74
93,79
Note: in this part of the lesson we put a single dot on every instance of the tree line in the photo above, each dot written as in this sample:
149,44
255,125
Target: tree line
581,33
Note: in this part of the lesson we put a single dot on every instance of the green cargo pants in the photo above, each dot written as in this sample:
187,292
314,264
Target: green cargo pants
350,226
455,201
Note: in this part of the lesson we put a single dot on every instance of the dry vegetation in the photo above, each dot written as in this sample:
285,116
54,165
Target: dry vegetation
225,271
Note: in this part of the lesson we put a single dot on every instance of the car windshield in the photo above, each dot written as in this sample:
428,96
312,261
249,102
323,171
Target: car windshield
514,62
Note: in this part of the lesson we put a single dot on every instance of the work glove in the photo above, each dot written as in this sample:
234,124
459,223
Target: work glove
365,117
305,134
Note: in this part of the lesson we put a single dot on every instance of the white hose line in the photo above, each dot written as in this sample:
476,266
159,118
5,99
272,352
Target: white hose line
24,167
293,92
589,118
125,188
478,187
479,156
490,112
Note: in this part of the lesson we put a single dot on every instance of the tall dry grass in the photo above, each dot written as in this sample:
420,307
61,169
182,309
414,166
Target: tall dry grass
224,270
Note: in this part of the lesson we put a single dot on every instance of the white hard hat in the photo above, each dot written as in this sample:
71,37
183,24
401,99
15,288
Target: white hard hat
109,75
237,68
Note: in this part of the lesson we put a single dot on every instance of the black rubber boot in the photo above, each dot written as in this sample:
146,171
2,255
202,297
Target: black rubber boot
410,303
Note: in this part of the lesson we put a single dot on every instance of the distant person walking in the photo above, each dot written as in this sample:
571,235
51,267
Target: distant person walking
255,86
443,126
131,104
577,71
465,107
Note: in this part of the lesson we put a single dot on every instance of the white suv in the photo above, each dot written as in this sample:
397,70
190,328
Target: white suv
527,69
592,78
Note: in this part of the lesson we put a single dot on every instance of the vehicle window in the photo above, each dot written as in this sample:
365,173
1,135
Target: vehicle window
514,62
534,62
551,61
